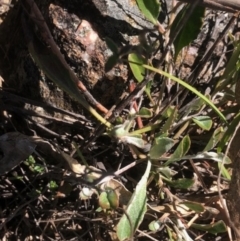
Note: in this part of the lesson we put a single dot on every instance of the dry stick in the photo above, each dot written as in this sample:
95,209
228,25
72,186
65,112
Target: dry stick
15,212
15,98
224,5
27,112
146,235
37,18
135,105
199,175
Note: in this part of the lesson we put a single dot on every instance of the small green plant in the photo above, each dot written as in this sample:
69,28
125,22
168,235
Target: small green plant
53,185
170,129
33,166
171,138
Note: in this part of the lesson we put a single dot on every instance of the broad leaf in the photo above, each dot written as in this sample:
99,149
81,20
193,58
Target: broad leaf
181,183
154,225
224,171
108,199
217,135
166,171
161,146
135,62
121,191
218,157
215,228
205,122
111,45
190,31
181,150
170,120
169,111
150,9
197,207
111,62
118,131
136,141
145,112
195,105
103,201
135,210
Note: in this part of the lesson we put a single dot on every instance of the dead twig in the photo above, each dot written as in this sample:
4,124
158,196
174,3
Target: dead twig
231,6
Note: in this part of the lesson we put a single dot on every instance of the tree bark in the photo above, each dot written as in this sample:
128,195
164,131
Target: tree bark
233,197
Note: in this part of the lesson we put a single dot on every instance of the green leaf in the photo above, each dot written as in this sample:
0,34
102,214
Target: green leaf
181,183
135,62
161,146
39,169
195,105
189,87
136,141
224,171
111,62
154,225
197,207
218,157
205,122
170,120
103,201
111,45
118,131
217,135
190,30
31,160
135,210
112,198
53,185
169,111
108,199
181,150
148,91
145,113
150,9
215,228
166,171
121,132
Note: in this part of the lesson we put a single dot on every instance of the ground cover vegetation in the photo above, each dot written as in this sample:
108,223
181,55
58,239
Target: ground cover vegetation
119,120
